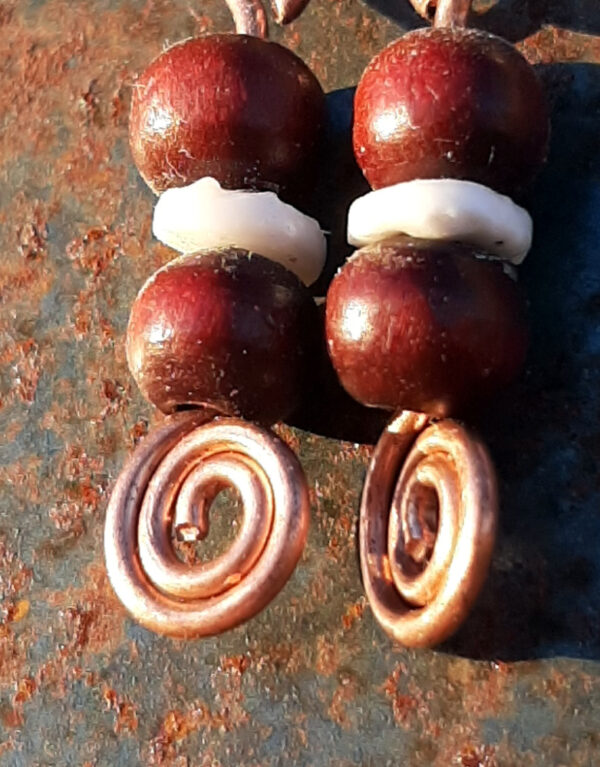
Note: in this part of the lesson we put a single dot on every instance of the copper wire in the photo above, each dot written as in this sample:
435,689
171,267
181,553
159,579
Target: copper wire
427,528
168,484
444,13
452,13
249,17
286,11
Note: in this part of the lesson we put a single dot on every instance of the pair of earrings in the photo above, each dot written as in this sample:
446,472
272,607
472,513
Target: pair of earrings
424,319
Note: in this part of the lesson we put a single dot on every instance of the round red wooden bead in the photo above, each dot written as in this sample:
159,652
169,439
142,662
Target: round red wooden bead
424,326
450,103
225,329
246,111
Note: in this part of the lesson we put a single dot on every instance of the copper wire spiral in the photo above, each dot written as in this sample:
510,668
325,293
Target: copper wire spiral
169,484
427,527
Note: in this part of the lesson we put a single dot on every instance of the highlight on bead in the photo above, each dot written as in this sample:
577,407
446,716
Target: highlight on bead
167,487
427,528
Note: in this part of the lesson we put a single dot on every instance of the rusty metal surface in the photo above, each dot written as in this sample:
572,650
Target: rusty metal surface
312,680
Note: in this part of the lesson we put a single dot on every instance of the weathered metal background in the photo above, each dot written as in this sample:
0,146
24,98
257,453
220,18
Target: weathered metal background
311,681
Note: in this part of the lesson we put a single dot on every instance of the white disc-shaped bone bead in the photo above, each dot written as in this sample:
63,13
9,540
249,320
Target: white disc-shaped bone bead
204,215
443,209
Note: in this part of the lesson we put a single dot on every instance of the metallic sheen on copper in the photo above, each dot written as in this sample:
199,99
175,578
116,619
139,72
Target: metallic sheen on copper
168,484
285,11
428,522
249,17
443,13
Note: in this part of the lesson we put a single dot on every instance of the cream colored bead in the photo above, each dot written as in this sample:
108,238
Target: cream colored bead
443,209
204,215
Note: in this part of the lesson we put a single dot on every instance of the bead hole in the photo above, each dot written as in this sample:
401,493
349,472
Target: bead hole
218,524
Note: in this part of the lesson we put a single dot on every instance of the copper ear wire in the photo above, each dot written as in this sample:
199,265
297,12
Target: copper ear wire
443,13
168,482
428,522
250,19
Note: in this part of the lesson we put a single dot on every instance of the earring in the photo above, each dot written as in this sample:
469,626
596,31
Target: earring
221,127
427,316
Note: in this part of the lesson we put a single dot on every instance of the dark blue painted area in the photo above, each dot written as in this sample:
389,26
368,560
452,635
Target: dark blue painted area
543,596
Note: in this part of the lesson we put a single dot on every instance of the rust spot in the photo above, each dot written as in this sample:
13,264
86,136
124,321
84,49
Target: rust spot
95,250
410,703
18,611
25,690
473,757
32,237
138,431
11,717
235,663
344,694
89,104
178,725
328,656
354,612
126,719
90,619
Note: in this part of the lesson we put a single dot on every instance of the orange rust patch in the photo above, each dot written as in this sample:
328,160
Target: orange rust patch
344,694
95,250
138,431
18,611
410,704
328,656
11,717
91,620
126,719
25,690
475,757
288,436
236,663
178,725
354,612
285,657
552,45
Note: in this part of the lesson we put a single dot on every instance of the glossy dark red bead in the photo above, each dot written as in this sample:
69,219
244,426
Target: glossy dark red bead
226,329
450,103
246,111
425,326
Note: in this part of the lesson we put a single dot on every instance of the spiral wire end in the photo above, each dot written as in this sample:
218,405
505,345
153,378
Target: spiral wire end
428,523
167,487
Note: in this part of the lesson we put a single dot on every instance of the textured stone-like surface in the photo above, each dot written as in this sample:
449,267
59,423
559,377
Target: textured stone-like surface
312,680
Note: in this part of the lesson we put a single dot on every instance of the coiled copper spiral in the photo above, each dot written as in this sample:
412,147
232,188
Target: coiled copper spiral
168,484
427,527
